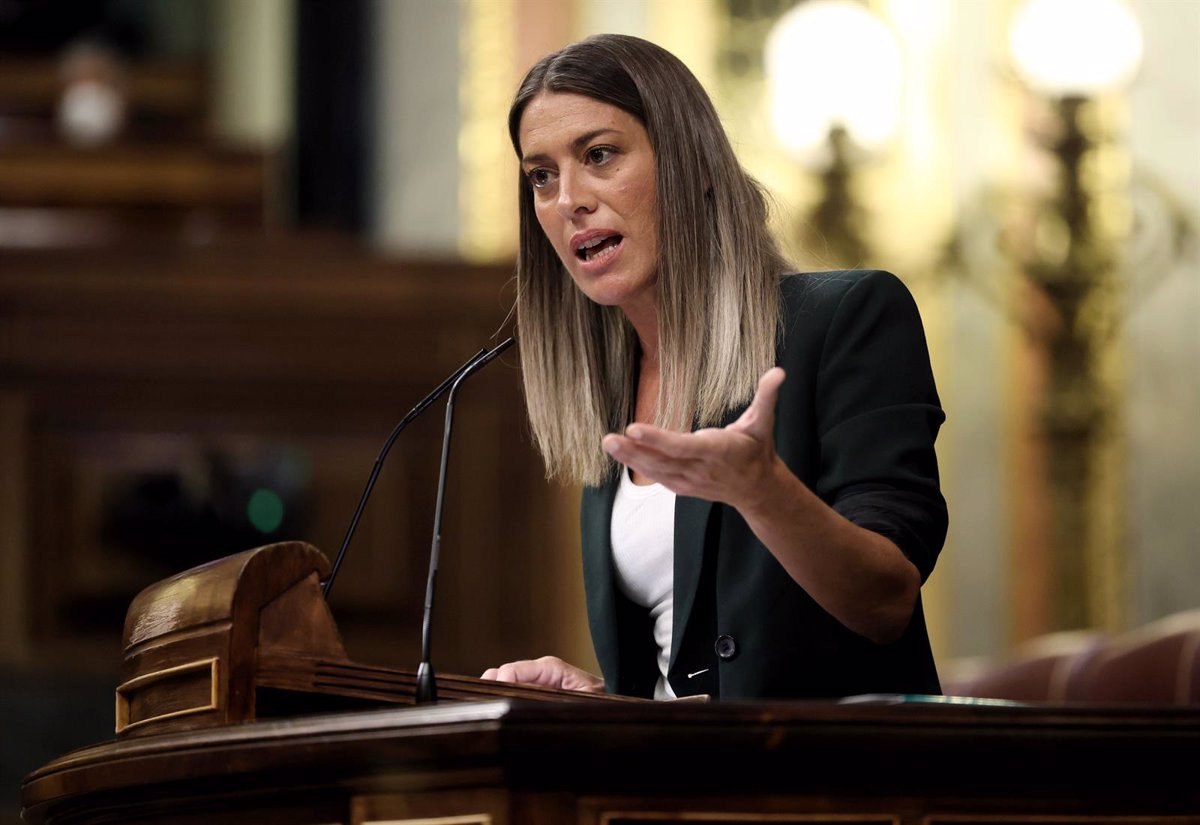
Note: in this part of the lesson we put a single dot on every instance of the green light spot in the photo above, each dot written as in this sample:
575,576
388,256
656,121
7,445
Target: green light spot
265,511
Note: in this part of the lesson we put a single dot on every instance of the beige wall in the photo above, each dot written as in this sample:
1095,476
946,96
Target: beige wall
415,167
1162,334
253,66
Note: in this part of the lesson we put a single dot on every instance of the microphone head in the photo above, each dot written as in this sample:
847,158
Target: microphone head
479,363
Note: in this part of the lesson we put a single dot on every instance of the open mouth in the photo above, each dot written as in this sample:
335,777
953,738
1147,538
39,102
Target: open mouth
598,247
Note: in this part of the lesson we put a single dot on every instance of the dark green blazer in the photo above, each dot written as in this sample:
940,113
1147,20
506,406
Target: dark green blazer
856,421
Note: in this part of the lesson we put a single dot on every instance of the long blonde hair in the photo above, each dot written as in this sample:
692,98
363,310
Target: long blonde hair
718,274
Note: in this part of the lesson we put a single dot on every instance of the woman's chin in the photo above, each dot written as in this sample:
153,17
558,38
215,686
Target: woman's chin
624,295
614,287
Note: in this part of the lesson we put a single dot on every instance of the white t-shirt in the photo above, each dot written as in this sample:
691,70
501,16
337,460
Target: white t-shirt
643,547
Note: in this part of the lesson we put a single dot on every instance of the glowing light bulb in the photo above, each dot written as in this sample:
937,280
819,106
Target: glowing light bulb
1066,48
832,63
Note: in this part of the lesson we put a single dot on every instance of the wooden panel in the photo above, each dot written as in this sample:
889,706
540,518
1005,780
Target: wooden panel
453,808
1093,819
727,813
160,88
51,175
624,763
14,521
135,361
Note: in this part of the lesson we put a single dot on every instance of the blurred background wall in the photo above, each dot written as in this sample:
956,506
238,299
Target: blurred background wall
239,239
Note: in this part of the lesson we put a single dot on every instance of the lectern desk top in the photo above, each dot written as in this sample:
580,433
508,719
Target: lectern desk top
228,667
516,761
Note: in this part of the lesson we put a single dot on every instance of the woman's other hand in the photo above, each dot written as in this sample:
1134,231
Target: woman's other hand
548,671
731,465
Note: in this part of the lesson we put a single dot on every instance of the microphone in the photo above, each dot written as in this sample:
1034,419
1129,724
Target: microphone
387,446
426,681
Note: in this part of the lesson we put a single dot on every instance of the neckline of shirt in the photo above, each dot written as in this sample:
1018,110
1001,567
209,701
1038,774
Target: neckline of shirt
639,490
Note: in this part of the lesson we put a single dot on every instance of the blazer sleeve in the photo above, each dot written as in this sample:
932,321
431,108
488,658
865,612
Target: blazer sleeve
878,413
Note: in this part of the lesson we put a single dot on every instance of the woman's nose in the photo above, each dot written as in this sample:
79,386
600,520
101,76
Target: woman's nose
574,195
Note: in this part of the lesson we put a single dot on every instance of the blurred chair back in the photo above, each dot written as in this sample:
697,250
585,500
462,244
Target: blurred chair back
1158,664
1046,669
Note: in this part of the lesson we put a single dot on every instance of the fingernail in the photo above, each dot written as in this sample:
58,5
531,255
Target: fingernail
635,432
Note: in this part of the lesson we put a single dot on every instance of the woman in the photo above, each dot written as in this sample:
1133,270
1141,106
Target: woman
761,501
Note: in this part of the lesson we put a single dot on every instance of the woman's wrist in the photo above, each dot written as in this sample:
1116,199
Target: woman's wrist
772,494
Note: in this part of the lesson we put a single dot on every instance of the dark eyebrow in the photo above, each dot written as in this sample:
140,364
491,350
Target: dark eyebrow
577,144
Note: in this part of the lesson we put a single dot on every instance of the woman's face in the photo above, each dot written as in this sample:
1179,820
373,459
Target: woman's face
592,172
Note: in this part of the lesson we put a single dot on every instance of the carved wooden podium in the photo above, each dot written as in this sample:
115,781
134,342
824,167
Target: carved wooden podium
227,668
250,637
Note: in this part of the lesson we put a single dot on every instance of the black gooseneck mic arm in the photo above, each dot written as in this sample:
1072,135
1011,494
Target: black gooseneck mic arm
426,681
387,446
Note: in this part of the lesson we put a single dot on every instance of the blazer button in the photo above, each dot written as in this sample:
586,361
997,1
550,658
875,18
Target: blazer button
725,647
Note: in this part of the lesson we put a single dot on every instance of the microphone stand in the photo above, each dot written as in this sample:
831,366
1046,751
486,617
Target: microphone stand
327,586
426,680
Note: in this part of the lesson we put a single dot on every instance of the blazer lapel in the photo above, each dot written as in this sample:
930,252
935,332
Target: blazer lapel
691,524
595,521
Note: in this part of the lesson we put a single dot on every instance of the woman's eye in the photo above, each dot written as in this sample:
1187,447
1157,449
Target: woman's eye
538,178
599,154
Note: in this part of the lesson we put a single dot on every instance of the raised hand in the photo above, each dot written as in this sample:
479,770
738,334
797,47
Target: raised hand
733,465
857,575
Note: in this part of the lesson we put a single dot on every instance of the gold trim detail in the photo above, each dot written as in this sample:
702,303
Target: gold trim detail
214,703
469,819
1060,819
608,817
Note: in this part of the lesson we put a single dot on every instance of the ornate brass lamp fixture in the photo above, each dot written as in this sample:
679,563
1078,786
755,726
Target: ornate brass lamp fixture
1073,263
833,114
1075,238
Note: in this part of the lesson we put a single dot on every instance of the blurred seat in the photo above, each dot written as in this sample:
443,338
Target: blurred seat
1046,669
1157,664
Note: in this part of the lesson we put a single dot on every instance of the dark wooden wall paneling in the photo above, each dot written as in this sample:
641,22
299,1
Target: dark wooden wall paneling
302,342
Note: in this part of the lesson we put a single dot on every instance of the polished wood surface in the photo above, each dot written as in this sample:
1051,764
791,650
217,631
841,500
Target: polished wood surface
159,88
132,175
251,636
523,762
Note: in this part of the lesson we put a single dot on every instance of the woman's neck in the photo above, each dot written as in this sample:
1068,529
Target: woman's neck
643,317
646,403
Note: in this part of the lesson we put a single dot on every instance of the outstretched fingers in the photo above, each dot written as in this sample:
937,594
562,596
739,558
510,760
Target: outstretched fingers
648,437
759,418
660,465
718,464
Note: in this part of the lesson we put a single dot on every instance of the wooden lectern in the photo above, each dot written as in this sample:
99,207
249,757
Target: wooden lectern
250,637
227,669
